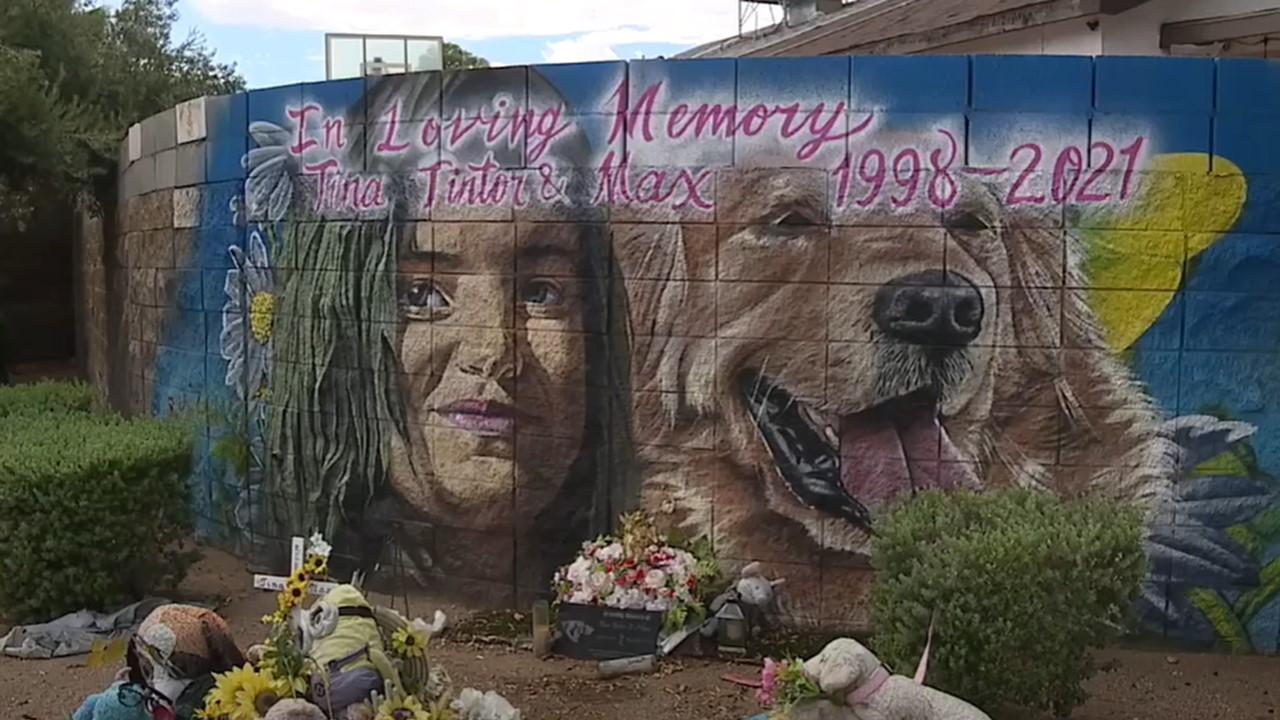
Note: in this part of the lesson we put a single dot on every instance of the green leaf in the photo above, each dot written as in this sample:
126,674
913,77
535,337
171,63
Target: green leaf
1252,601
1225,623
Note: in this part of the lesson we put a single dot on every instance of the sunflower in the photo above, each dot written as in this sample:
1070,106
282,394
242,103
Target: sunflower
405,709
317,565
407,642
213,708
221,700
293,594
256,695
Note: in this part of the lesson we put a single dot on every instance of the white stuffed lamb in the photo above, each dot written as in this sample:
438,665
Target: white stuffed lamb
846,669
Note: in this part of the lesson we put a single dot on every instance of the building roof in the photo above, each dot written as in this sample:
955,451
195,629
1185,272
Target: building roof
904,26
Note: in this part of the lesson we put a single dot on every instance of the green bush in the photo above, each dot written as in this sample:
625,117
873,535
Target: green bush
45,397
4,352
1023,586
94,511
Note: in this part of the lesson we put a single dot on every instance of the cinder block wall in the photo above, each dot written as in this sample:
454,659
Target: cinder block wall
457,322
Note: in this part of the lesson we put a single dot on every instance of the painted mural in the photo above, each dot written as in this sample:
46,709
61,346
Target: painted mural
460,321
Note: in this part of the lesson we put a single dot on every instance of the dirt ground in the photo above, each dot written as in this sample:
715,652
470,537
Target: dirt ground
1138,685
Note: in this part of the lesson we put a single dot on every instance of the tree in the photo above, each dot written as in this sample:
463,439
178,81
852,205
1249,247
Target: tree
72,78
456,58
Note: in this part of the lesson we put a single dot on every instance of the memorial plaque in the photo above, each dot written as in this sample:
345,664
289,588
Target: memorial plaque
591,632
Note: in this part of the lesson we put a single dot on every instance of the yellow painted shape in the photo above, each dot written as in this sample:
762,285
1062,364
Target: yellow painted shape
1138,249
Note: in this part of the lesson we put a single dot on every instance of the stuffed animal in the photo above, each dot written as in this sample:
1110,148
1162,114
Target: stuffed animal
848,670
341,635
293,709
753,593
107,705
175,653
471,704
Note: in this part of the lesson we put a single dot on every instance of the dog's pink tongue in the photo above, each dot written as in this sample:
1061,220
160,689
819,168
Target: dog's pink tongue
883,458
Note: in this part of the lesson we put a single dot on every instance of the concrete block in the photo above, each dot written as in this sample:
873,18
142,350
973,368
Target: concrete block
191,164
134,141
122,155
145,179
190,117
159,132
186,207
166,165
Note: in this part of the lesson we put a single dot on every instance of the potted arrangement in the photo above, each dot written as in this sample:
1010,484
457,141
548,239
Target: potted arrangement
623,591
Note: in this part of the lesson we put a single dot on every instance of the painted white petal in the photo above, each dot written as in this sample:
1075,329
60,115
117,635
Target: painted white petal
258,251
267,134
262,182
281,197
235,375
257,158
232,341
234,289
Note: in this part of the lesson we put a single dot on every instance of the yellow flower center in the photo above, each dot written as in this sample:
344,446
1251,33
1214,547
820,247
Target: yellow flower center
262,316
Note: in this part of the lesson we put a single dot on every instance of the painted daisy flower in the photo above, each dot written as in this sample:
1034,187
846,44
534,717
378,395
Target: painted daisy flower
271,168
248,320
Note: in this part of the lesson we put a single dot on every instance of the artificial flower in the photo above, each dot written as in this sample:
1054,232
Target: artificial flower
295,591
257,694
768,682
316,566
220,701
316,545
213,708
409,642
409,708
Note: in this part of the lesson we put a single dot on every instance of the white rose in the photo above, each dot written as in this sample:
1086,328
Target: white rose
610,553
581,597
655,579
634,600
600,583
658,605
579,571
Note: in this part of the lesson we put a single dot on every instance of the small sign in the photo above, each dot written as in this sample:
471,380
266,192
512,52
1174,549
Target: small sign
591,632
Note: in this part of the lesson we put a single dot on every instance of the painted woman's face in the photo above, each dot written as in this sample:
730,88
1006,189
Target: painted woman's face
492,359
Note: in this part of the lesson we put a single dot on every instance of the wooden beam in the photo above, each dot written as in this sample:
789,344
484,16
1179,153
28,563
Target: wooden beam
1211,30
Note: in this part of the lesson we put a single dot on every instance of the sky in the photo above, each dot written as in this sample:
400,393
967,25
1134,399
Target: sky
275,42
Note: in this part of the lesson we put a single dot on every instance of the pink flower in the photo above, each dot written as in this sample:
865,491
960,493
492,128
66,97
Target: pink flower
768,682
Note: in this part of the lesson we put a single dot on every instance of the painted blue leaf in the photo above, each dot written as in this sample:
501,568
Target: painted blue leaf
1199,555
1201,437
1185,622
1221,501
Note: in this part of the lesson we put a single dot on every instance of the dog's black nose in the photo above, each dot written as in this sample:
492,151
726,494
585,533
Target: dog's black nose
932,307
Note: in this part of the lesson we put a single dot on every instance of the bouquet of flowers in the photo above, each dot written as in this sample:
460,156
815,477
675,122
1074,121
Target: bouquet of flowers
640,569
784,685
283,671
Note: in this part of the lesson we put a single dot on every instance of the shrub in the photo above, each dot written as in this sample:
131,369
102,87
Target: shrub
45,397
4,352
93,511
1023,586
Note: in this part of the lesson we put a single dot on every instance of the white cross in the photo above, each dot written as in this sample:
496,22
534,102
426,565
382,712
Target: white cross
277,583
